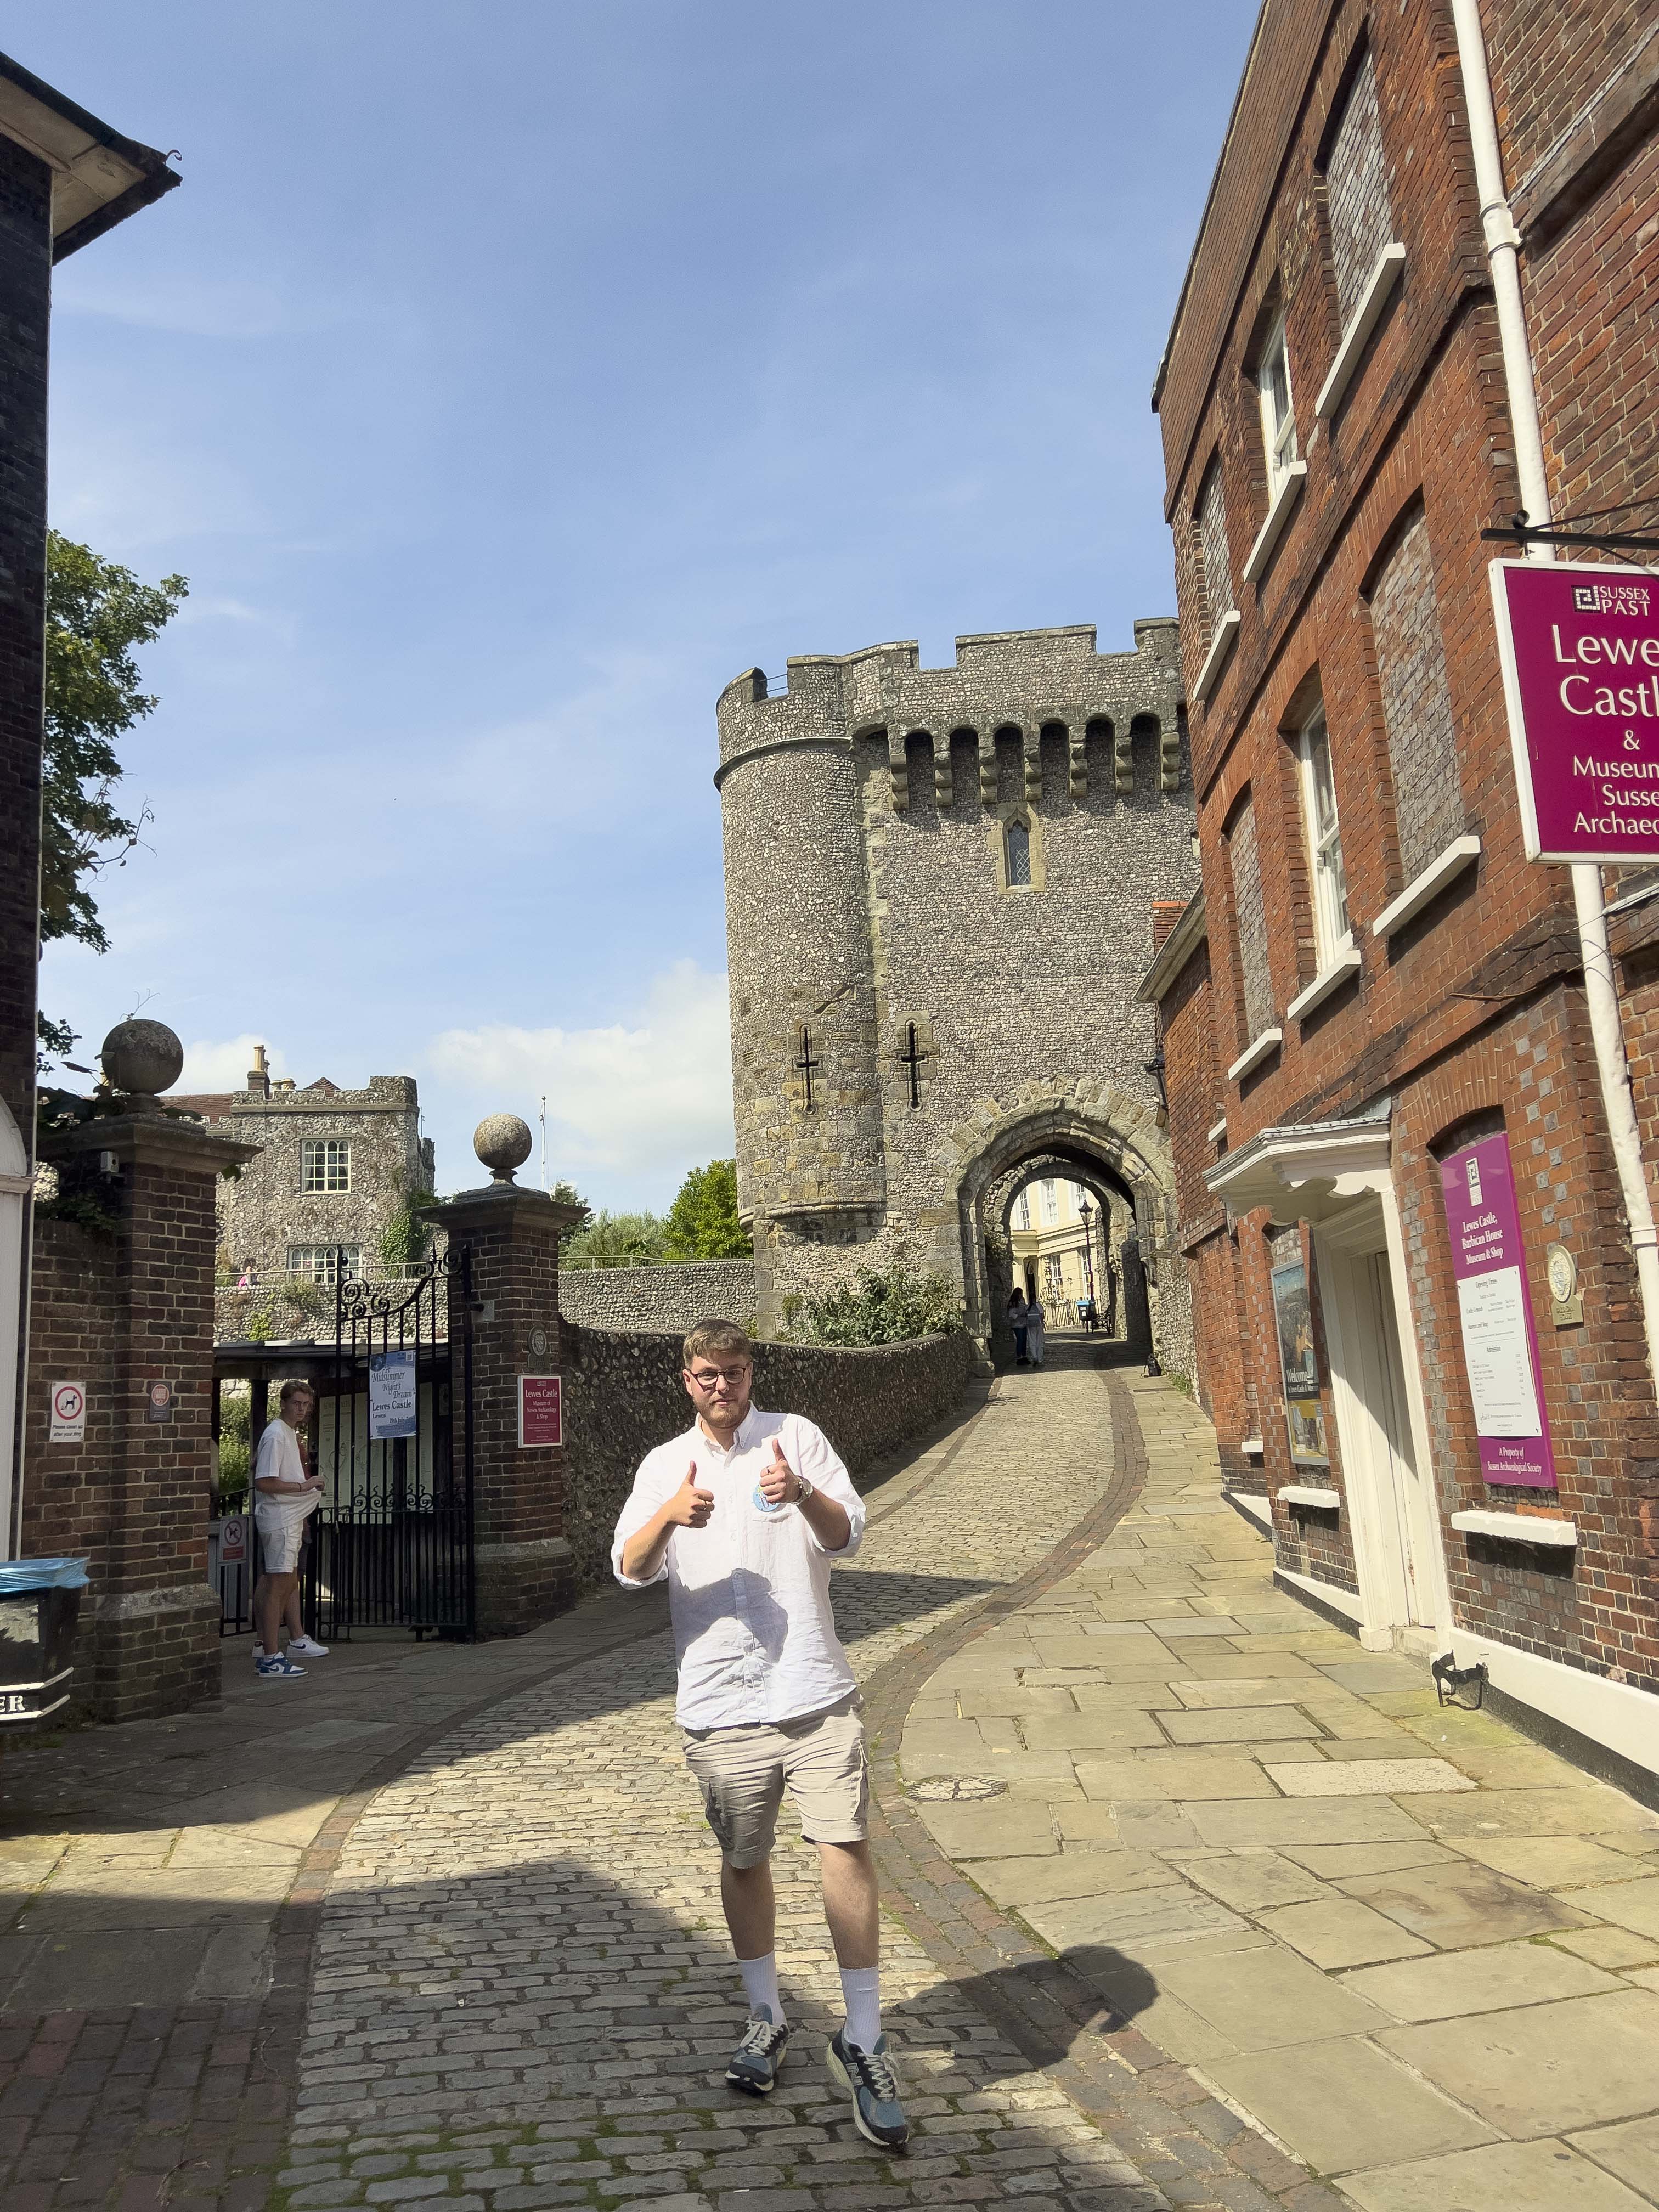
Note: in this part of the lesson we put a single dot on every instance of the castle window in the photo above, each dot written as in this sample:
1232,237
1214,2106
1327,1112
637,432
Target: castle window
1017,844
326,1164
1050,1206
324,1263
1273,379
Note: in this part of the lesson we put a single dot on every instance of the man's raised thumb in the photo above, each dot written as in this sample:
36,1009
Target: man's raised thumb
777,1452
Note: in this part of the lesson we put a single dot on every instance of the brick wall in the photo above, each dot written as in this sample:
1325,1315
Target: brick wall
1215,554
1356,192
1475,1008
1250,923
1416,702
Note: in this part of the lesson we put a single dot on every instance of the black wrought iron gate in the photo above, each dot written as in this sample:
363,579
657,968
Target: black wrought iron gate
392,1543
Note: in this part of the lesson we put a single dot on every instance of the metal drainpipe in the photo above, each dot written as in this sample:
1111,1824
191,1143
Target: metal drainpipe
1502,251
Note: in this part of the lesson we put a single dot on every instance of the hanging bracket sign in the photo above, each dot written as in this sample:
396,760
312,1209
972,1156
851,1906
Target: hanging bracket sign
1500,1344
1578,642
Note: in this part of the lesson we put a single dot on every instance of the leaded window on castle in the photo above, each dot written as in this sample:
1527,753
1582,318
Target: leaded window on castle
1018,840
326,1263
808,1066
325,1163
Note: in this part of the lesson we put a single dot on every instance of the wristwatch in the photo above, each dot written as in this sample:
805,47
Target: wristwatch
805,1489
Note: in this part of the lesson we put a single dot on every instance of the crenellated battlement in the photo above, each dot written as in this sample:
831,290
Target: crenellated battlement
1022,681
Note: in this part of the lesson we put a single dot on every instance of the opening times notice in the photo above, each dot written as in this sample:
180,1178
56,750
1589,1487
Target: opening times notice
1500,1344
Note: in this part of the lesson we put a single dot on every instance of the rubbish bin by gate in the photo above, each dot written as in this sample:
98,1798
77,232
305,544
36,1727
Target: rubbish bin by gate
40,1610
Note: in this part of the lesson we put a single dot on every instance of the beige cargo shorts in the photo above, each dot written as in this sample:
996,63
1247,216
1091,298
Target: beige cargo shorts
819,1758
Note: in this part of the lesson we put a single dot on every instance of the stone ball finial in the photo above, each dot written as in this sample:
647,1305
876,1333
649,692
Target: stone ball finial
502,1142
140,1058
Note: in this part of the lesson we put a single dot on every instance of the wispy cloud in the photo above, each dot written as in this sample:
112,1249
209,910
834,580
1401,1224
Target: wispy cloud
650,1095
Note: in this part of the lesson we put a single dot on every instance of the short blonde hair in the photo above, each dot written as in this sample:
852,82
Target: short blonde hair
710,1340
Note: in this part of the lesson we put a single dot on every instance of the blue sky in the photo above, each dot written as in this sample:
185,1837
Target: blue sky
506,378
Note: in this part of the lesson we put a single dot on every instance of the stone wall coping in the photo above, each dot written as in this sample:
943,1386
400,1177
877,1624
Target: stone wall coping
150,1139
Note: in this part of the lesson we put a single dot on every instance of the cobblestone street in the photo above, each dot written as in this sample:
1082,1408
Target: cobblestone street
1190,1901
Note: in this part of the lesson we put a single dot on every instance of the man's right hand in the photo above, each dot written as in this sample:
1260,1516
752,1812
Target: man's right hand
689,1507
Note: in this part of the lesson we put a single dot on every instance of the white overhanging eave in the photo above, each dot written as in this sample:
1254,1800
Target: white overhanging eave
1462,852
1314,1495
1319,1168
1328,979
1226,636
1389,269
1254,1052
1216,1132
1279,514
1251,1447
1517,1528
1177,949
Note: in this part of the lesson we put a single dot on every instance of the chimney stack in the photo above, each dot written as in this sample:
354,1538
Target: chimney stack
258,1076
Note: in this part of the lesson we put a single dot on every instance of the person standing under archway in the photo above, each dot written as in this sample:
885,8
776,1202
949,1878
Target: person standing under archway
1017,1311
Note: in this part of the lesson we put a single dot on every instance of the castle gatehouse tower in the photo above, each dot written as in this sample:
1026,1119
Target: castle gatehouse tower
939,886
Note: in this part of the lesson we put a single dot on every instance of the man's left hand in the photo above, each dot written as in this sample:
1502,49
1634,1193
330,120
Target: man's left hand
779,1484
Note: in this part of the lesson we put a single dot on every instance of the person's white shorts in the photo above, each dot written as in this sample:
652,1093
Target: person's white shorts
279,1544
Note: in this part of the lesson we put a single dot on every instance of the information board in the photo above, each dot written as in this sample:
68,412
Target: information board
541,1409
1500,1344
391,1389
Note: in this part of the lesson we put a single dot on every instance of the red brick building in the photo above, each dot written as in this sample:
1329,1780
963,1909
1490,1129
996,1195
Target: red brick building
1379,1000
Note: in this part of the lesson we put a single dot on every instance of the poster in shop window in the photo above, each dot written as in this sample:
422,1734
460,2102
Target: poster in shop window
1305,1414
1494,1301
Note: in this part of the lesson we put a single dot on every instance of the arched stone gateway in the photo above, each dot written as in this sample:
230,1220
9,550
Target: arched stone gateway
1112,1144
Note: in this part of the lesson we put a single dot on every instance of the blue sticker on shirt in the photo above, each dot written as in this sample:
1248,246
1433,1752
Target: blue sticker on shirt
765,1505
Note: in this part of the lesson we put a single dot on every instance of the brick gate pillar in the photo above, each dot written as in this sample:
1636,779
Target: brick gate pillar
524,1561
123,1308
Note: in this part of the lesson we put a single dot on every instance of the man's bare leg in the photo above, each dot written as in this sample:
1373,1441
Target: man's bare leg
751,1908
268,1602
850,1904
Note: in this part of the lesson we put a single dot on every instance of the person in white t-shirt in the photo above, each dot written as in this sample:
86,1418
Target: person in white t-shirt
284,1495
742,1517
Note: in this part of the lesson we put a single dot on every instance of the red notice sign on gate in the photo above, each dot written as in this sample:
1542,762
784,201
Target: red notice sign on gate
541,1409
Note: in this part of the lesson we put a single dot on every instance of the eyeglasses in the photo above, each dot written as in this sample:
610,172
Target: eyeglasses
707,1378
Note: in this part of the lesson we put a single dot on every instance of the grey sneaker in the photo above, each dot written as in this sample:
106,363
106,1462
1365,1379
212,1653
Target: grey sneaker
868,2078
758,2059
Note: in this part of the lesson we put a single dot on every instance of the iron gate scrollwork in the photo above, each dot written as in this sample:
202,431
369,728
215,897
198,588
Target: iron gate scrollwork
392,1542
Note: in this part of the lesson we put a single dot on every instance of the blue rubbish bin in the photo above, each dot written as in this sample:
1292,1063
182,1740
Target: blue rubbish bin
40,1610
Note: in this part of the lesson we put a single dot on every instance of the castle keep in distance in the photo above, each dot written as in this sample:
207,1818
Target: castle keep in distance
939,886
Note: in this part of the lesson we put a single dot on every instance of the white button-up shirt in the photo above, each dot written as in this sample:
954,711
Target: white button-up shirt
754,1634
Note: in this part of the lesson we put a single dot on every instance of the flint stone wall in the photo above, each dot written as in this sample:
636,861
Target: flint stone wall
623,1397
673,1297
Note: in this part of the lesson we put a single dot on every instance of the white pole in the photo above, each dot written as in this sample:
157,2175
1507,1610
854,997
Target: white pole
1503,248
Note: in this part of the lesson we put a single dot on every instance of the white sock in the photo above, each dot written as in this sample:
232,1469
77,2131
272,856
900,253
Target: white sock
861,1990
760,1982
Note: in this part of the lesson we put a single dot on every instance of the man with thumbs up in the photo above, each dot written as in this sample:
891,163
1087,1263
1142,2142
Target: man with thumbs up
743,1516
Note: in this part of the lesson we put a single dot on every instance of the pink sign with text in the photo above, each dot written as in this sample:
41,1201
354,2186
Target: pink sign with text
1500,1344
1579,645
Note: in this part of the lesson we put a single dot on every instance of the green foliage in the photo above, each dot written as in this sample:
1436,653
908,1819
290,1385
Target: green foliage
404,1238
235,1422
883,1308
615,1237
96,612
702,1223
565,1193
78,1205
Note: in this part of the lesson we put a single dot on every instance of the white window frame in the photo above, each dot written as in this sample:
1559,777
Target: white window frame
325,1155
1278,427
1333,925
320,1263
1023,1210
1050,1205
